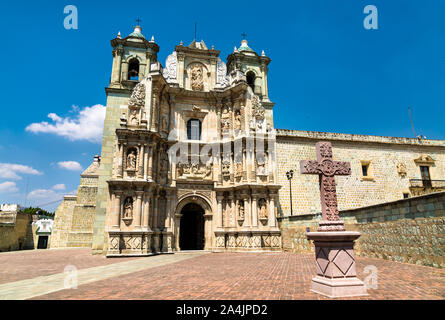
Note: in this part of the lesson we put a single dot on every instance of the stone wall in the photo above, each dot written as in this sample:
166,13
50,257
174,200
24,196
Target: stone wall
384,183
16,232
409,230
63,222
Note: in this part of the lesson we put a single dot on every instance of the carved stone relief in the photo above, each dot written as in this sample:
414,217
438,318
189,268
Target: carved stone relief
197,77
401,169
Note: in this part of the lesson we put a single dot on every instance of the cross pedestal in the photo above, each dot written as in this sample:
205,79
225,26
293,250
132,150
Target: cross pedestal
334,246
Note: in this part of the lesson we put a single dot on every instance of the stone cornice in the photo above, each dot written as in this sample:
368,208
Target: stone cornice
315,135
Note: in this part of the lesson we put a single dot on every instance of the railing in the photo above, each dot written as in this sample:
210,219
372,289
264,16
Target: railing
420,183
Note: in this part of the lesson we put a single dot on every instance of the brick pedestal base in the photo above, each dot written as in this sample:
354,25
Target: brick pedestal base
336,273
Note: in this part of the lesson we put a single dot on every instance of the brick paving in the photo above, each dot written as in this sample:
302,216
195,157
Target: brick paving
28,264
254,276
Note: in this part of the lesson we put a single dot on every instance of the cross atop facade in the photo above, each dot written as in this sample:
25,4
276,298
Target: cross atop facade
327,169
244,35
138,21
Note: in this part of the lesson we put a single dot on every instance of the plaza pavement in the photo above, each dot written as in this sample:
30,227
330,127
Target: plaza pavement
40,275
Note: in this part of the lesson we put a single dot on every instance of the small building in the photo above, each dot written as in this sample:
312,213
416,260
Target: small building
15,229
41,230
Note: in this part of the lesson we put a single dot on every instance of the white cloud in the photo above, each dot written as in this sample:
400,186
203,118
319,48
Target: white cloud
86,125
43,194
11,170
8,186
70,165
59,186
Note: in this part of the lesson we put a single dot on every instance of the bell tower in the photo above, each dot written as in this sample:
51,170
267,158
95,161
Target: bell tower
253,66
132,58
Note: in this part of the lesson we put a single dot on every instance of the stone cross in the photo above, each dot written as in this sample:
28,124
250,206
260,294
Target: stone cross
327,169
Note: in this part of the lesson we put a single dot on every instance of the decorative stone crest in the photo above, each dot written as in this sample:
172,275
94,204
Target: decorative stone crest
137,99
221,74
258,110
401,169
170,68
197,78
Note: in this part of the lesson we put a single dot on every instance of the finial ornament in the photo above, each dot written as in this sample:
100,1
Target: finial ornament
119,35
234,49
263,54
181,43
138,21
152,39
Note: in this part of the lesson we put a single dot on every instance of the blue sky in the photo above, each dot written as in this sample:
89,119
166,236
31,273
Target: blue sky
328,73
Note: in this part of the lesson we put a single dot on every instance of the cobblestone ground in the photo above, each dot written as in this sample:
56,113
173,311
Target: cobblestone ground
28,264
254,276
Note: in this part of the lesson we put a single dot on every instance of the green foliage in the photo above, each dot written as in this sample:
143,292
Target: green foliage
39,211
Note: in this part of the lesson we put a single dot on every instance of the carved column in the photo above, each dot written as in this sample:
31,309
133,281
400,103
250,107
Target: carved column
247,215
156,213
141,161
254,210
116,209
124,76
219,216
150,162
137,215
272,220
145,161
146,211
177,226
117,65
232,210
120,167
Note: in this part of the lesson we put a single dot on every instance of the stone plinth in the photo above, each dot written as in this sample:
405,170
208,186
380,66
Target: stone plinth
336,272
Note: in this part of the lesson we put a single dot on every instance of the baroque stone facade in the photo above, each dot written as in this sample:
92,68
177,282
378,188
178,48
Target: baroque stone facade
188,155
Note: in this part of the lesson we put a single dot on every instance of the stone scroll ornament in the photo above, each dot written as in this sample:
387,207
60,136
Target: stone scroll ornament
327,169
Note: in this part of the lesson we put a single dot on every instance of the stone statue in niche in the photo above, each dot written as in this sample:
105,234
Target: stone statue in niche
262,206
261,165
134,121
241,210
164,124
237,120
226,168
239,169
128,208
164,167
225,120
196,79
401,169
131,160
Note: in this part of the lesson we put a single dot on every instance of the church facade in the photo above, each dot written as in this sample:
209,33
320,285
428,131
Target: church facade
191,159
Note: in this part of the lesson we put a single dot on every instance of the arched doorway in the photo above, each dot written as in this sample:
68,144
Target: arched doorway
191,234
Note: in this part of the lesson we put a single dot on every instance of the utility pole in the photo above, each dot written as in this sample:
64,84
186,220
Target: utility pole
289,176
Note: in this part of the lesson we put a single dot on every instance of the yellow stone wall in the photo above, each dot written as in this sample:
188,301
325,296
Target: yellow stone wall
384,153
16,232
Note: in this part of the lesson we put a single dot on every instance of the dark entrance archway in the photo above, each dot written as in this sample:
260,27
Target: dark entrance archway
191,235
